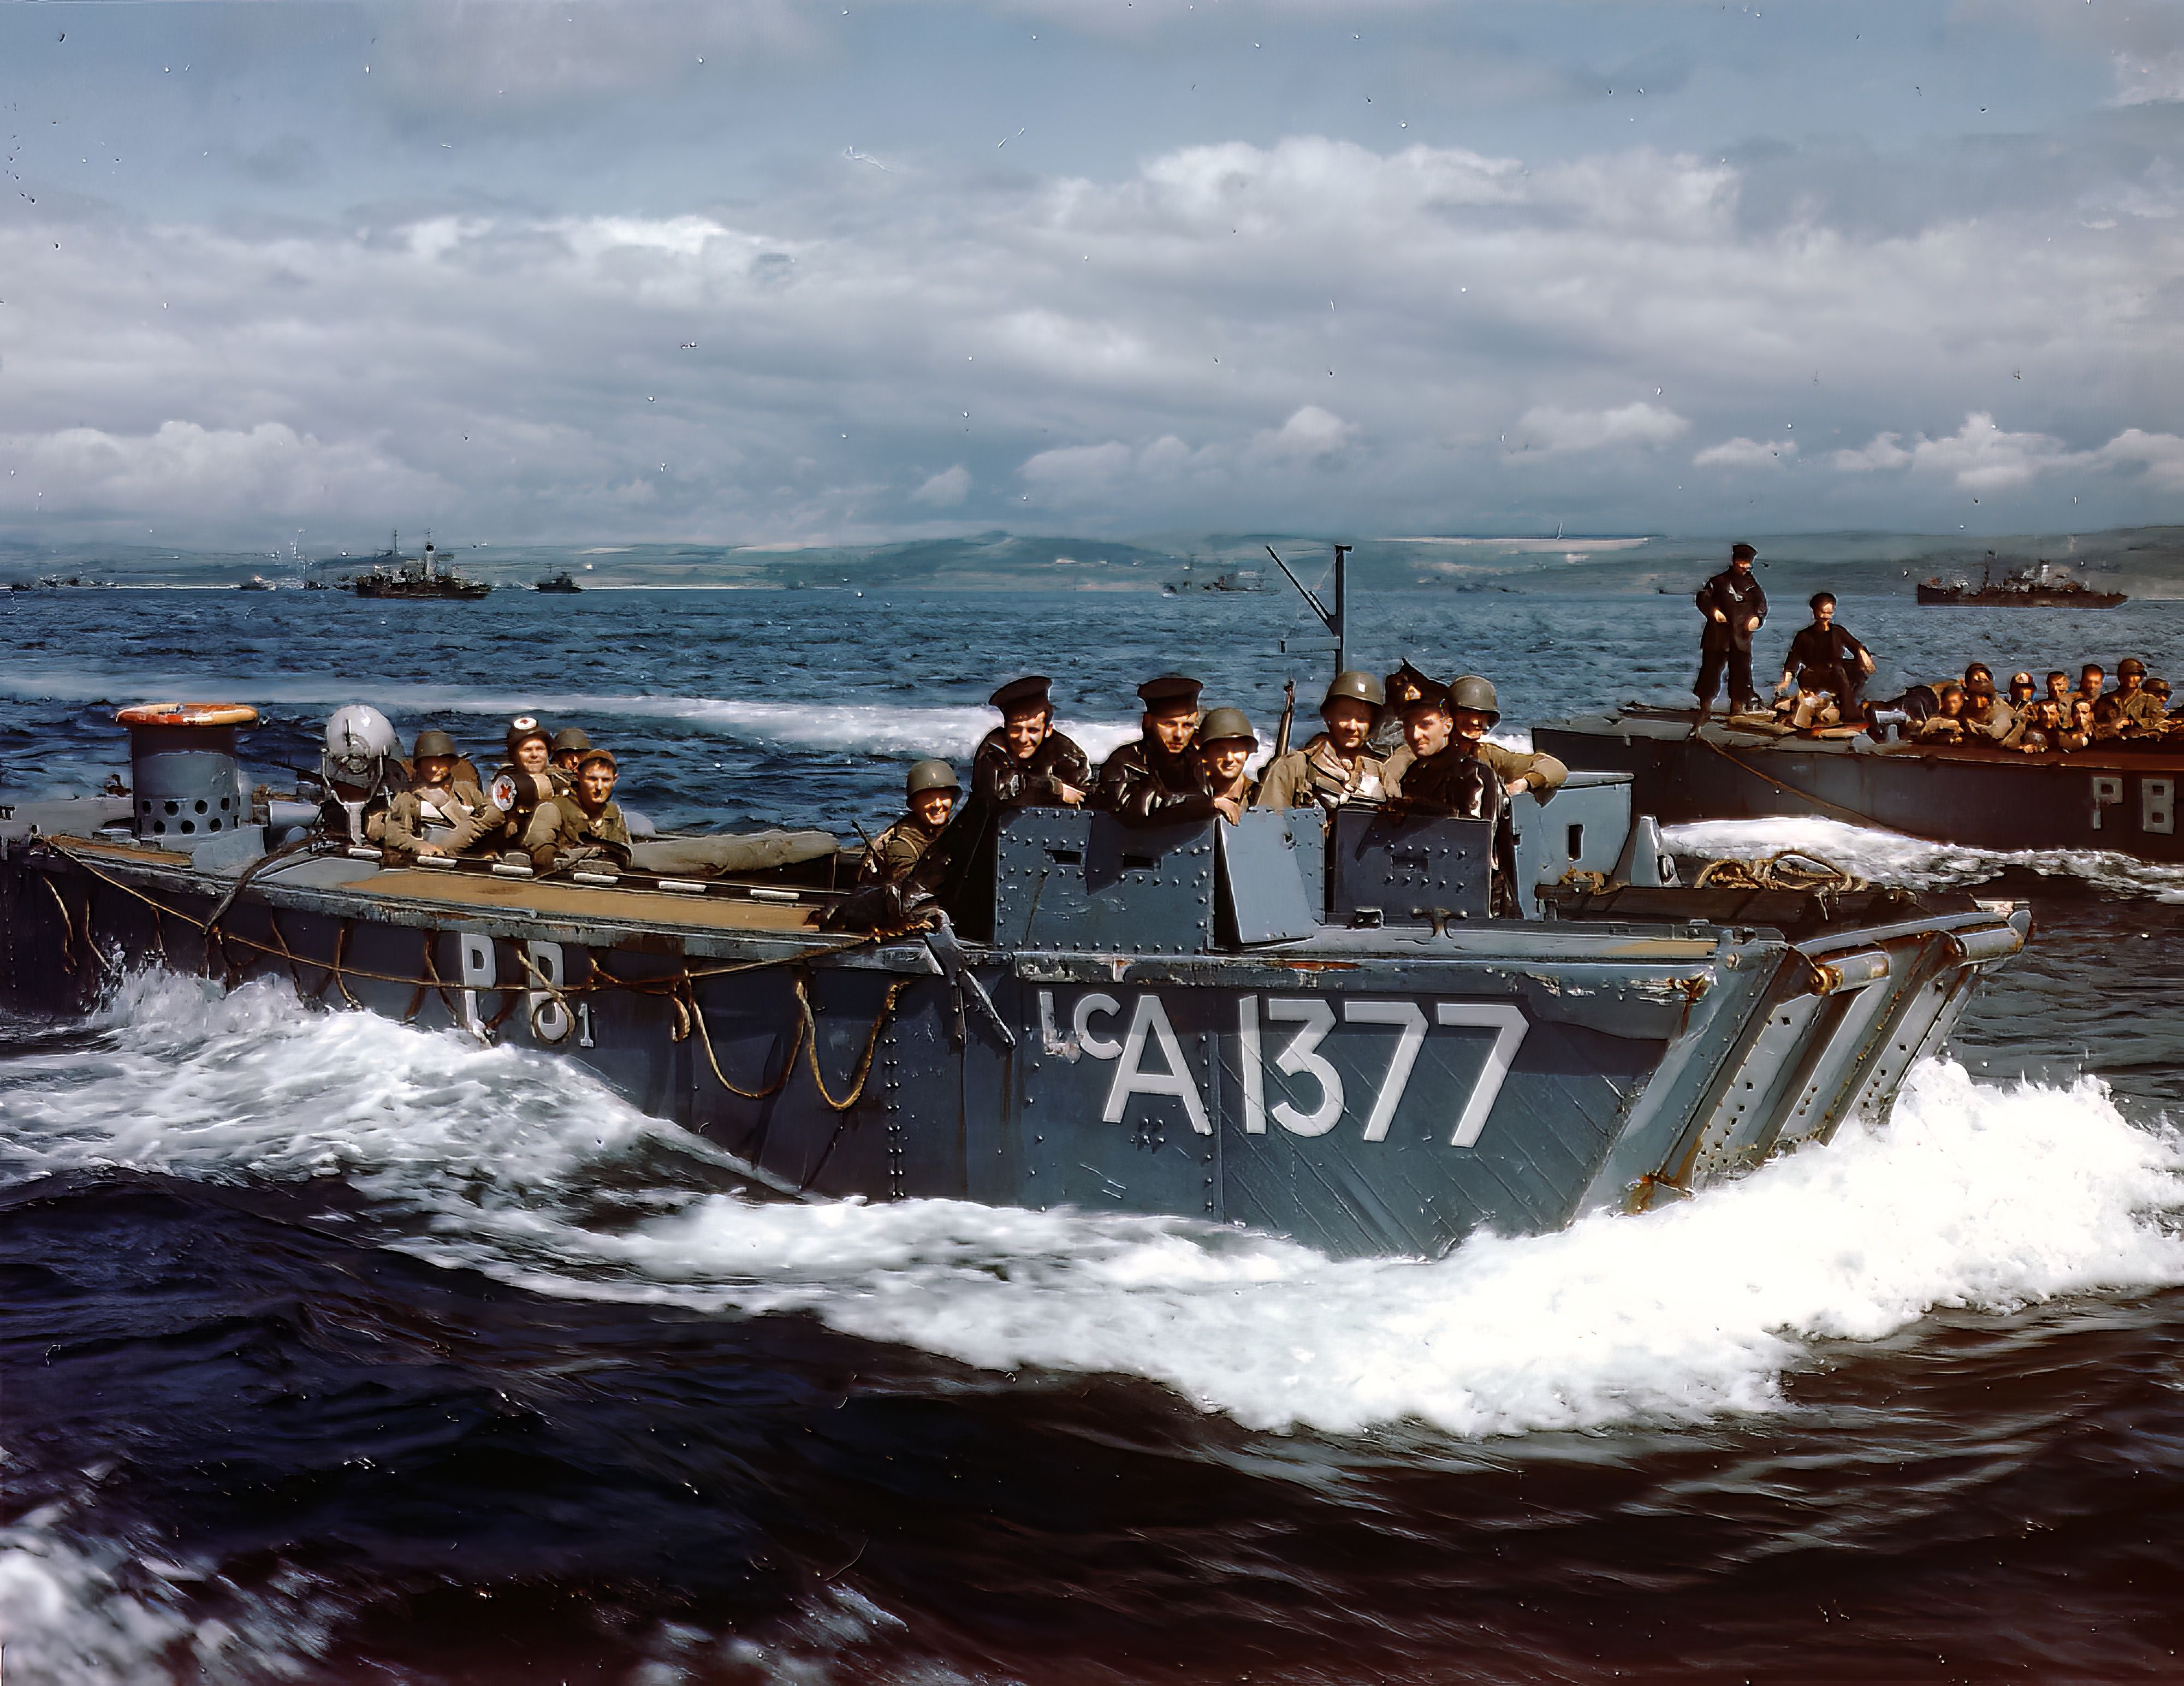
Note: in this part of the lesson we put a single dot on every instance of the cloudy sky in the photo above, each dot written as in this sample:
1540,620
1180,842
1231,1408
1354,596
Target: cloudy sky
781,270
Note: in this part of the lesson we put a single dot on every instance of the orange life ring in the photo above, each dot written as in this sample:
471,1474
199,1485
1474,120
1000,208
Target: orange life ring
188,713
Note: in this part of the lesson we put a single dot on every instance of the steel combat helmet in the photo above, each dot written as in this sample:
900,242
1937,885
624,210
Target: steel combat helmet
930,776
1354,686
1475,694
431,742
521,730
567,738
1225,725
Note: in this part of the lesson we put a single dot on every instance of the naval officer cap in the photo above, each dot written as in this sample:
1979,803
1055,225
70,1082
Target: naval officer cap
1019,695
1741,552
1171,689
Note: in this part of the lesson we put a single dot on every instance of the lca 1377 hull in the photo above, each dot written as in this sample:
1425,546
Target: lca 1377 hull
1174,1026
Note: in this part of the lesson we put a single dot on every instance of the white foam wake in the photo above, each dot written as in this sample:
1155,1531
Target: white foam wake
1973,1195
1890,858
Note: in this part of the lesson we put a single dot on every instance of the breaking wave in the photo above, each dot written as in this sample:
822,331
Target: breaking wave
1890,858
509,1163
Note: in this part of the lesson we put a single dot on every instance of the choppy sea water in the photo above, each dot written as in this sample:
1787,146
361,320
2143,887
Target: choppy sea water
336,1351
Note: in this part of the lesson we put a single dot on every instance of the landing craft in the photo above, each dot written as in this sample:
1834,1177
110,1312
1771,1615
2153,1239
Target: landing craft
1306,1022
2114,796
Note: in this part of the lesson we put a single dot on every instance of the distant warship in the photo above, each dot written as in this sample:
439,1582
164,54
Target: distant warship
394,575
563,583
2042,585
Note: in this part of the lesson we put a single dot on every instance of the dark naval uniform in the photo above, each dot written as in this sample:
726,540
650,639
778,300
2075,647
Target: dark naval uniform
1459,785
1837,661
1141,784
561,828
1729,644
1003,781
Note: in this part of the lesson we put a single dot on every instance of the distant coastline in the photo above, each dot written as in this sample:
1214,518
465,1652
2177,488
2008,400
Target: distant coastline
2146,562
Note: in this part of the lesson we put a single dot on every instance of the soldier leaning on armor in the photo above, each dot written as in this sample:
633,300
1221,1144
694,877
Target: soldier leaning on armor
422,820
1225,741
1449,775
1339,764
931,790
582,824
1024,762
1472,708
1155,781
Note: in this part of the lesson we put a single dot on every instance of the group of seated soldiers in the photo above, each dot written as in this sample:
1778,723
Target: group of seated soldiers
2058,720
1823,675
552,801
1416,745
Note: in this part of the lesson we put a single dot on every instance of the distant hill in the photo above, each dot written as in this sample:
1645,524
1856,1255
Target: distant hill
2145,562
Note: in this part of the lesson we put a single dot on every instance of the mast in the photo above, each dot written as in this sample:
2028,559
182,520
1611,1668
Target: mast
1335,620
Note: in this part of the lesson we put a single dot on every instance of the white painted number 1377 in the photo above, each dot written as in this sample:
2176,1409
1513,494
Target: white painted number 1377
1297,1055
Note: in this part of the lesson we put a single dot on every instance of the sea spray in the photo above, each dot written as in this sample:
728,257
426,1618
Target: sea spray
533,1173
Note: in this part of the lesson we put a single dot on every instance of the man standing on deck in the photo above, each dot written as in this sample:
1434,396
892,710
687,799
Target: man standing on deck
1839,660
1735,607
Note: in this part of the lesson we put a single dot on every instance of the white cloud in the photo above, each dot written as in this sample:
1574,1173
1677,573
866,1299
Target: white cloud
1980,456
183,470
2144,81
1312,435
1743,453
1188,339
946,489
1551,429
1885,451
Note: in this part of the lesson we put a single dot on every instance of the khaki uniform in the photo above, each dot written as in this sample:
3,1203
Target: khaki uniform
2119,716
1507,764
428,814
1940,729
1315,774
489,830
895,850
1988,724
561,828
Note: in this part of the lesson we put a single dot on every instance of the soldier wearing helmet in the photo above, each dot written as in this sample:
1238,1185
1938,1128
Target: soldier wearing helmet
1340,765
1155,780
1225,742
422,819
1447,776
1024,762
583,826
563,753
522,784
1472,708
931,788
2130,710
